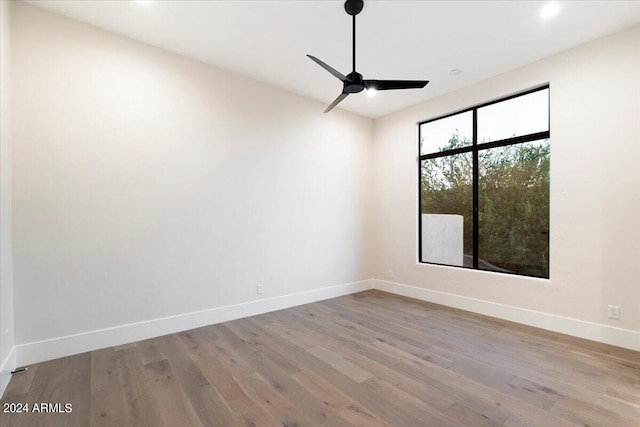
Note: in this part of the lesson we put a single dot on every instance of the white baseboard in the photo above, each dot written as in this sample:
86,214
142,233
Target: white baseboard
578,328
40,351
8,365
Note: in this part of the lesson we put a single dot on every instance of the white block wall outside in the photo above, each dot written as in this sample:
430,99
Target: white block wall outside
442,239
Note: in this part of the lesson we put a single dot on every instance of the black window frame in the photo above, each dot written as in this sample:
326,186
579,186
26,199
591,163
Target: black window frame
475,149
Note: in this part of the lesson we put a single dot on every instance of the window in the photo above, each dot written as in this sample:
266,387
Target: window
484,186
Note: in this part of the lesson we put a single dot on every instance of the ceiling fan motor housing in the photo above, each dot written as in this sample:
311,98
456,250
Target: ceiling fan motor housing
355,83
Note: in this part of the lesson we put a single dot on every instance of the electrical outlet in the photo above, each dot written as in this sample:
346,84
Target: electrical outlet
614,311
260,289
390,274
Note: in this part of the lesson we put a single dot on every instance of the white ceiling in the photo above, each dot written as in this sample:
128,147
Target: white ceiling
268,40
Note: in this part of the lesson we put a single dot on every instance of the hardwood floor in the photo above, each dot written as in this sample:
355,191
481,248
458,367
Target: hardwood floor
370,359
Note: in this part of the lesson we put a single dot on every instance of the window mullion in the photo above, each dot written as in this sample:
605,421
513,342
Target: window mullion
475,189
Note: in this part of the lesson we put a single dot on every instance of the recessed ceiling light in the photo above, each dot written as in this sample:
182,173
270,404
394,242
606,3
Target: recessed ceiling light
371,92
549,10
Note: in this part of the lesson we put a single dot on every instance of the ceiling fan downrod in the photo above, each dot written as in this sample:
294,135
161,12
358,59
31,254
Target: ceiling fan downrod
353,8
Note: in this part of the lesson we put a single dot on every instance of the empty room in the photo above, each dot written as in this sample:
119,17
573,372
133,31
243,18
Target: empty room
319,213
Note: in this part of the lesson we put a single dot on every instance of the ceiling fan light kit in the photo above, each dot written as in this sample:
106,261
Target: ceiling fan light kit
354,82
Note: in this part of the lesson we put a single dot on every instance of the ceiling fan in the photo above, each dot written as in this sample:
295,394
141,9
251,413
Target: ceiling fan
353,82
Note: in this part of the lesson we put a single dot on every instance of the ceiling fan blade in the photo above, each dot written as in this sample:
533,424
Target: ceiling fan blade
395,84
330,69
337,101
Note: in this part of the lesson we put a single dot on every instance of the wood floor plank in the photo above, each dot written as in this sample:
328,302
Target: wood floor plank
344,366
468,417
358,417
413,404
279,406
175,408
357,412
216,373
322,390
47,386
21,382
364,394
125,346
181,364
104,369
206,401
582,413
275,369
149,351
77,391
157,369
430,395
108,406
256,416
210,407
246,336
370,359
141,409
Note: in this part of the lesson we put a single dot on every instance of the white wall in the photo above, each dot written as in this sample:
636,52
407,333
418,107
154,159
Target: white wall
149,185
595,189
443,239
6,265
